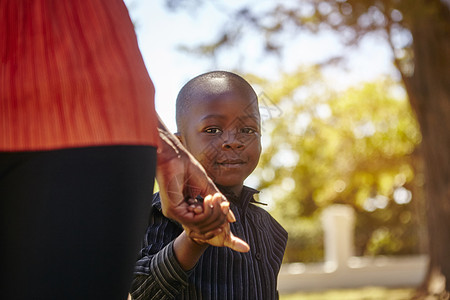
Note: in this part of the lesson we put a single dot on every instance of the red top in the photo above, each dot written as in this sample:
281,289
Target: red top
72,75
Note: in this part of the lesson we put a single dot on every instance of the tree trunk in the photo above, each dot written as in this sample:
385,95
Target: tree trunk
429,93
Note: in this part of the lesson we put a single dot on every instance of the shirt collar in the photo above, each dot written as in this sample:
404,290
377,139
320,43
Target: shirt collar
244,199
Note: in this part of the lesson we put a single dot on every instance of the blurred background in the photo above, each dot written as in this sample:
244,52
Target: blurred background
349,111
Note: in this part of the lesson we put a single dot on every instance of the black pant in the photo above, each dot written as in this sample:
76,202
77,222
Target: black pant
72,220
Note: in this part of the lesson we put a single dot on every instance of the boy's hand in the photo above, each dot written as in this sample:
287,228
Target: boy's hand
222,236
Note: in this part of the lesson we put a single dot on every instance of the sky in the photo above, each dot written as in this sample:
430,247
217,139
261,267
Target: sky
160,32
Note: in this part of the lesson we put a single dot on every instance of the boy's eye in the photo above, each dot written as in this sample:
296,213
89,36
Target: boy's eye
248,130
212,130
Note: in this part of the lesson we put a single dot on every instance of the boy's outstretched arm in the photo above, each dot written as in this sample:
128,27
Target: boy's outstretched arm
180,178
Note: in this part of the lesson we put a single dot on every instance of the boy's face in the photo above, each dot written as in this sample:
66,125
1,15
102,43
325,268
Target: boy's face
222,131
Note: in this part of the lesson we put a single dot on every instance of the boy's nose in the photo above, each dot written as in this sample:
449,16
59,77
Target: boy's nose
232,141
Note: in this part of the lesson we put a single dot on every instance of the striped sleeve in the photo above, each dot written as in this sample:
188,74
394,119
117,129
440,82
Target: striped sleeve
165,280
158,274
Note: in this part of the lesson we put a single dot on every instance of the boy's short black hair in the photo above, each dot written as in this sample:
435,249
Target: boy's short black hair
189,90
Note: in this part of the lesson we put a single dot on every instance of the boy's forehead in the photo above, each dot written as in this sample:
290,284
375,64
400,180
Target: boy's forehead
213,88
219,96
226,108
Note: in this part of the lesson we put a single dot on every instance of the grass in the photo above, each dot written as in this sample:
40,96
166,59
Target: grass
368,293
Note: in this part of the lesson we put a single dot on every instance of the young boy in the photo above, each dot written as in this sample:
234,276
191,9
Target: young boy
218,121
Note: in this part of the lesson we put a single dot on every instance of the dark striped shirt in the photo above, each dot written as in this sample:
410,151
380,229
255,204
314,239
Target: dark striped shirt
221,273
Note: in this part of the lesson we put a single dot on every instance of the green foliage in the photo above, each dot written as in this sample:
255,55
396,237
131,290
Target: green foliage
305,241
275,23
354,147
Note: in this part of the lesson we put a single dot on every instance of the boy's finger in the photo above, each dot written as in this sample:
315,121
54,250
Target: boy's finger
230,216
236,244
225,207
213,215
198,210
208,205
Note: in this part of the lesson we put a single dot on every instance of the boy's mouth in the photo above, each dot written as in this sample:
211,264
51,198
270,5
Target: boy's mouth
233,163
